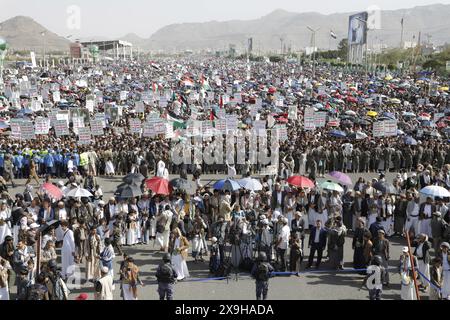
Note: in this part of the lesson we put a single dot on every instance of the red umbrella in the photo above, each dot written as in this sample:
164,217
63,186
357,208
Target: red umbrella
158,185
272,90
52,191
301,182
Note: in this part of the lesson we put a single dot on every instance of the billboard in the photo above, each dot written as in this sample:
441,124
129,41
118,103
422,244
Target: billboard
357,29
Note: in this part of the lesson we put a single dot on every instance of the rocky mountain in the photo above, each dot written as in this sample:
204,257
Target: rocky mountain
271,32
267,31
23,33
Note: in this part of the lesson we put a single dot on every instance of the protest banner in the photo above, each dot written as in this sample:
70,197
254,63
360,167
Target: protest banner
27,130
320,119
135,126
309,119
96,127
84,136
61,128
378,129
41,125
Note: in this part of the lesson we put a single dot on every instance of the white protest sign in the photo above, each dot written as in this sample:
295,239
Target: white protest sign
309,119
56,96
232,122
96,127
292,113
390,128
41,125
84,135
61,128
207,128
378,129
15,128
135,126
78,122
149,130
221,125
27,130
320,119
140,108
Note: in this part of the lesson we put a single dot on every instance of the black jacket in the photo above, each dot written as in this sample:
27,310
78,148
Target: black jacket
322,237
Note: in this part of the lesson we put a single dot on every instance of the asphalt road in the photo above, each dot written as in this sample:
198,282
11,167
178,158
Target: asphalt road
324,285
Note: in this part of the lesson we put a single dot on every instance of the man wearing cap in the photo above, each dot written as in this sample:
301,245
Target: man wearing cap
445,289
407,277
438,227
104,286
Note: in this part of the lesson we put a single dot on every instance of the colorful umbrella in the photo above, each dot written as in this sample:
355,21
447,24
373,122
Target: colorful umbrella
158,185
301,182
227,184
338,134
52,191
410,141
341,178
332,186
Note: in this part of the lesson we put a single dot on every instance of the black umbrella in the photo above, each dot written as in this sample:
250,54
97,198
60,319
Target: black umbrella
180,184
135,178
54,223
385,187
129,191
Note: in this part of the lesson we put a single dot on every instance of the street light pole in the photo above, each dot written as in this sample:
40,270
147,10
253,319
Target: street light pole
313,48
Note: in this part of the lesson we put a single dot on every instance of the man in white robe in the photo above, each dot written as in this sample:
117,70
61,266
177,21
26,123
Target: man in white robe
67,251
445,289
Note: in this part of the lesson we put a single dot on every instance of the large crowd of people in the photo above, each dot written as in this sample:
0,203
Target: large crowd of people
45,239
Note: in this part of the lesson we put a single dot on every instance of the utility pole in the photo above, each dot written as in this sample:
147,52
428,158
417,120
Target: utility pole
401,37
416,53
281,45
313,43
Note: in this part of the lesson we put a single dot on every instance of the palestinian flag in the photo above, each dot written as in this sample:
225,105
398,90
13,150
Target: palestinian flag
176,122
205,83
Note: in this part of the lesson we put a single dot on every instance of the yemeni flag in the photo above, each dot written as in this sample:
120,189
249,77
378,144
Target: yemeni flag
221,101
176,122
155,88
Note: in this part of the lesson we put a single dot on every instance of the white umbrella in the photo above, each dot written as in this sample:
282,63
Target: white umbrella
250,184
79,192
435,191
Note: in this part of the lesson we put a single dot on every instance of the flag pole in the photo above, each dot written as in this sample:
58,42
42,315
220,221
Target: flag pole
411,259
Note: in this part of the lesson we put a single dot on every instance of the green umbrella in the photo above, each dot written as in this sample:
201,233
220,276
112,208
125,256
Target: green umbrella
332,186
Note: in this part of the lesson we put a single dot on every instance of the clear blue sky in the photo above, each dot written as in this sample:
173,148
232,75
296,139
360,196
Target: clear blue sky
114,18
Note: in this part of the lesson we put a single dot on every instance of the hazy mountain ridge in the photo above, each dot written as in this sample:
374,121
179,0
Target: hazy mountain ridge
25,33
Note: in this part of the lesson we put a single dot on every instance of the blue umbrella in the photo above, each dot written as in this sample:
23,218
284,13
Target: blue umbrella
389,115
410,141
338,134
227,184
